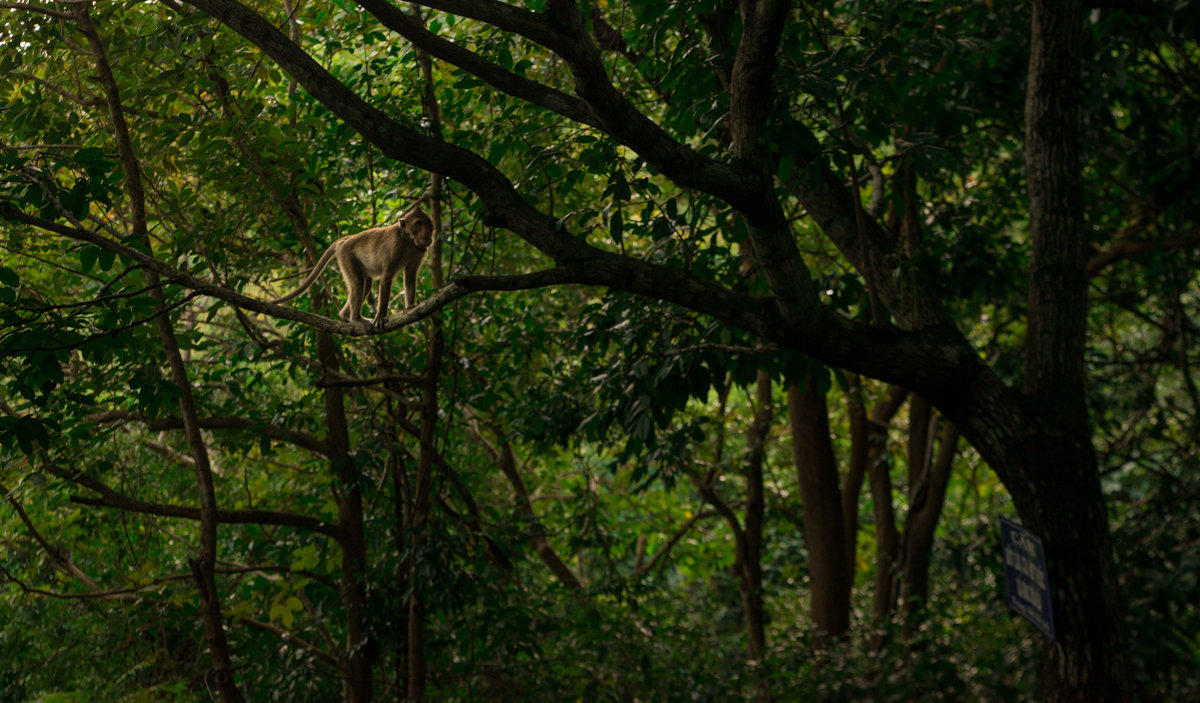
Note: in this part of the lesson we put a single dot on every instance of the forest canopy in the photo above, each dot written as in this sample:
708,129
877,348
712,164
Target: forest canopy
745,326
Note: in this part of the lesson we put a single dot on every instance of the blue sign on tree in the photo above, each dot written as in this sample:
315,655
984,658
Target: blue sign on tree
1025,576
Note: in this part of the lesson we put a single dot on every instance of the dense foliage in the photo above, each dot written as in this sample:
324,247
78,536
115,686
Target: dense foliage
549,491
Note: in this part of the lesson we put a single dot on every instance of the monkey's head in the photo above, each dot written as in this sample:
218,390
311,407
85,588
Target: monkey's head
419,228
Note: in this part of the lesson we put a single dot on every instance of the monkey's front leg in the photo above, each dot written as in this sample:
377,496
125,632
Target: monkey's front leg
382,300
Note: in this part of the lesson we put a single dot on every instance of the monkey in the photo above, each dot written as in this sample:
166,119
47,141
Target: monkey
380,252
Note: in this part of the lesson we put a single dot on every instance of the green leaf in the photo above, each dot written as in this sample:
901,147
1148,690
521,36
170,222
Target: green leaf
87,258
106,259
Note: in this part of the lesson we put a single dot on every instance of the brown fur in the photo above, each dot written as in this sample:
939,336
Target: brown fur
378,253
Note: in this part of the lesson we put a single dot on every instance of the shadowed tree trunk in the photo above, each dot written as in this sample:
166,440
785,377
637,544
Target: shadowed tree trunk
1062,502
824,529
751,582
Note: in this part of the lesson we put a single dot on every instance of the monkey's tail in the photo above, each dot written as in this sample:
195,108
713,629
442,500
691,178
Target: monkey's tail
320,266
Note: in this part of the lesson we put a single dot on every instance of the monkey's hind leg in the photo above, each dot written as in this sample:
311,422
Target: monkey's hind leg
357,283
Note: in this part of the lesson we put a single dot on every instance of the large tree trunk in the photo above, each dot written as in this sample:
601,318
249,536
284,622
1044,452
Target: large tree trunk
1054,479
824,531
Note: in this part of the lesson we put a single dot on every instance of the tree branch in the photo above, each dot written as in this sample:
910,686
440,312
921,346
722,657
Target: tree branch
933,361
561,29
665,550
711,497
219,422
31,7
110,498
123,594
504,457
288,638
58,556
1127,248
808,328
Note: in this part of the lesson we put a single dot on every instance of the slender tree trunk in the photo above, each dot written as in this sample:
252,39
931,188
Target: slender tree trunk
747,561
926,499
357,681
920,416
203,566
887,542
396,464
868,439
417,668
1062,501
751,582
824,530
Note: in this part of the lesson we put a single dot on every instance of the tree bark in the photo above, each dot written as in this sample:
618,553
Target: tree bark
1061,501
824,530
887,542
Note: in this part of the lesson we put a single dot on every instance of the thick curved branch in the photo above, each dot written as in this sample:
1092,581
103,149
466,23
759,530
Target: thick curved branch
598,268
561,29
736,184
902,287
499,78
503,16
932,361
808,328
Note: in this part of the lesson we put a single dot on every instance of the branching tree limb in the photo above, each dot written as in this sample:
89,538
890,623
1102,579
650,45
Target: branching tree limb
110,498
